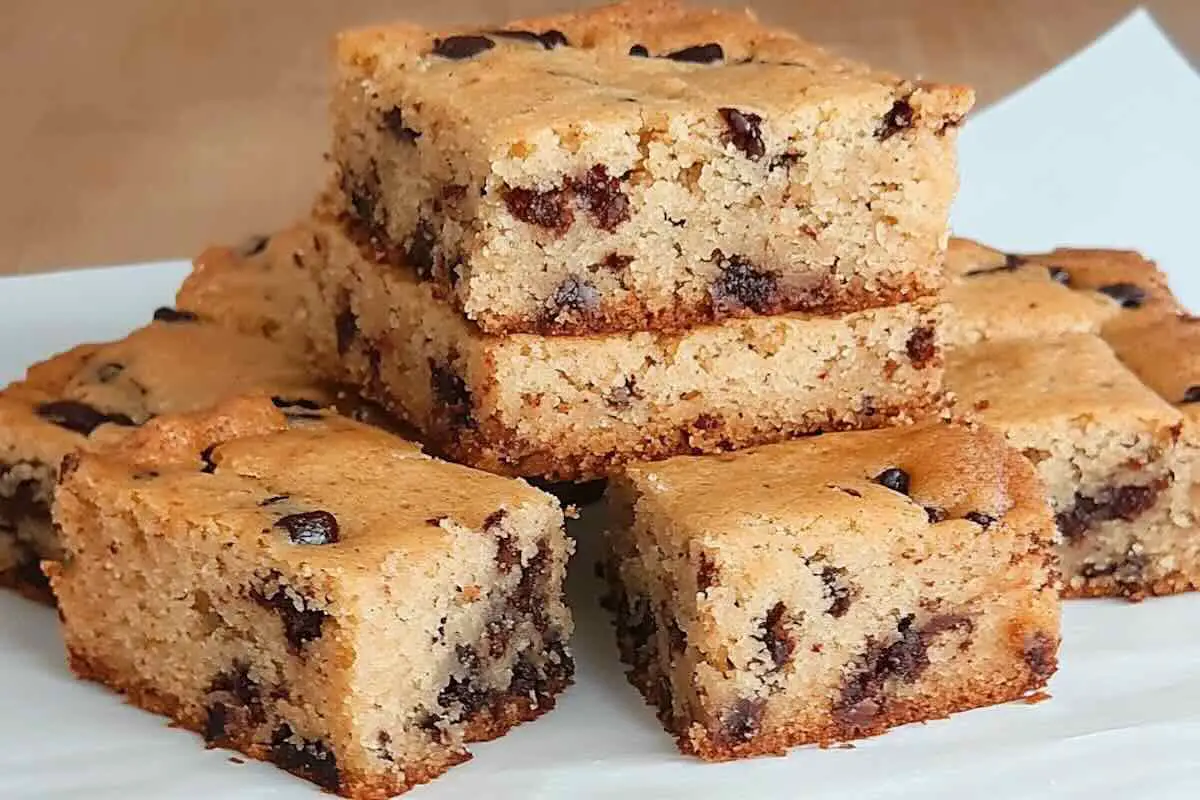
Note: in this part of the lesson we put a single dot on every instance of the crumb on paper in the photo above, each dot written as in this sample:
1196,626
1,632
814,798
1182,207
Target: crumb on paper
236,760
1035,698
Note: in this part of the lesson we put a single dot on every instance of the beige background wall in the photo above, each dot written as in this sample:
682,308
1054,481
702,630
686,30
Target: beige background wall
140,129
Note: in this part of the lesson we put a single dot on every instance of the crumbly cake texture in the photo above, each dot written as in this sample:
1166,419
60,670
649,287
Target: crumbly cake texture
262,287
998,296
1117,460
97,392
831,588
313,592
643,165
569,408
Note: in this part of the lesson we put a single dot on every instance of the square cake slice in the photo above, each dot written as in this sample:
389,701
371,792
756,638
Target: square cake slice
96,392
1116,461
831,588
572,407
643,165
313,592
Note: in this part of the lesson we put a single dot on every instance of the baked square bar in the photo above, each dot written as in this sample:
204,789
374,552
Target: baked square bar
1117,464
313,592
643,165
831,588
100,391
570,407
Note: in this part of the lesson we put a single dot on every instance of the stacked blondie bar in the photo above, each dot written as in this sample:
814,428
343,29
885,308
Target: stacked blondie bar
657,245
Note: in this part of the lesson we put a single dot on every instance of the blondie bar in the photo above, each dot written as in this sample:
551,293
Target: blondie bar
643,165
313,592
831,588
1116,460
569,407
97,392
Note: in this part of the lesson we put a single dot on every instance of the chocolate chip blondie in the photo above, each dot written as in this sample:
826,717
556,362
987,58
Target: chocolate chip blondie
831,588
1116,459
571,407
97,392
642,165
313,592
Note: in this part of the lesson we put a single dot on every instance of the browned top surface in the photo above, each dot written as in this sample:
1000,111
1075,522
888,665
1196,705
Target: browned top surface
138,129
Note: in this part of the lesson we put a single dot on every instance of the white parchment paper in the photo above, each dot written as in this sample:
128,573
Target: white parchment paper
1100,151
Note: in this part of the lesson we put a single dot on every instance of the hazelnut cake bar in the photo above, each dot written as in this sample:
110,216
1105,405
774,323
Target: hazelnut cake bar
570,407
830,588
642,165
312,591
97,392
1117,461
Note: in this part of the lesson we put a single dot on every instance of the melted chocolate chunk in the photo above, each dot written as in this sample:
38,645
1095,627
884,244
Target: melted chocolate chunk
895,479
707,574
215,720
740,286
457,48
838,590
548,39
898,118
639,51
300,402
253,246
547,209
616,262
310,759
421,252
574,295
1127,569
346,329
1013,260
1059,275
451,394
936,514
1040,653
167,314
310,527
234,698
273,499
776,637
1122,502
206,458
393,123
363,193
79,417
1127,295
921,346
984,521
744,132
1191,395
601,194
301,624
742,722
699,54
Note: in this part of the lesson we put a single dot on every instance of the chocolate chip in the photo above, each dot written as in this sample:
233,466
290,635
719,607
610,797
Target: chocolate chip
1127,295
742,722
310,527
300,402
677,638
1191,395
899,117
984,521
494,520
776,637
699,54
616,262
837,590
273,499
1059,275
235,701
421,251
393,122
214,723
107,373
1040,654
363,191
1128,569
79,417
784,161
308,758
744,132
301,624
639,51
253,246
461,691
1122,502
936,514
167,314
740,285
601,194
459,47
1013,260
574,295
706,573
549,209
895,479
451,395
921,346
862,695
346,329
206,458
549,39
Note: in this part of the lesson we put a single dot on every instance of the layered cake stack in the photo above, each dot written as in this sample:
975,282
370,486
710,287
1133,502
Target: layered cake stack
660,246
